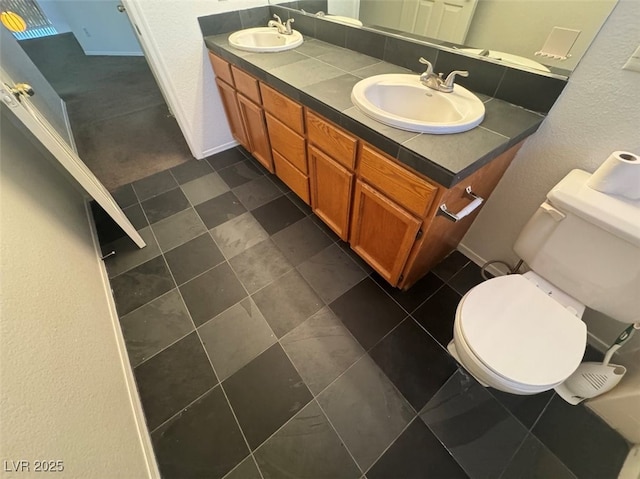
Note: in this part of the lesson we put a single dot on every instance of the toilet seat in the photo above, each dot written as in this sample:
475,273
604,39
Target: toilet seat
517,335
483,374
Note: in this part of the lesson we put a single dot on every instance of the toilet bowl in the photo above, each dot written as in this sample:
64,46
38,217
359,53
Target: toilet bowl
523,334
519,334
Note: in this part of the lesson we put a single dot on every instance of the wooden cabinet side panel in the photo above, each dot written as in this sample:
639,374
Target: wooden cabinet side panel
253,117
246,84
331,186
338,144
442,235
288,111
221,68
231,108
288,143
382,233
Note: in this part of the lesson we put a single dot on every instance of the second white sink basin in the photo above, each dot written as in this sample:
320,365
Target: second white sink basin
403,102
264,39
509,58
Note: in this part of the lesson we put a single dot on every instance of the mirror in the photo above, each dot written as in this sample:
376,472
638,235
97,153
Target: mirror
509,31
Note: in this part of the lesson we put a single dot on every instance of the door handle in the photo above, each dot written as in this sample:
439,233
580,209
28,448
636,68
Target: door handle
121,8
21,89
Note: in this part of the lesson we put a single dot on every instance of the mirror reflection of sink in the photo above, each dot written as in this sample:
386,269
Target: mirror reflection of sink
402,101
264,39
342,19
507,57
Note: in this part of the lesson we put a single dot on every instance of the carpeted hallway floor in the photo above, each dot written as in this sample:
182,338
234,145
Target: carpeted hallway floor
121,124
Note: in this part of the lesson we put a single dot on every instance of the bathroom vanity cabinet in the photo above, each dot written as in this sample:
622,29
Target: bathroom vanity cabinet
242,103
387,212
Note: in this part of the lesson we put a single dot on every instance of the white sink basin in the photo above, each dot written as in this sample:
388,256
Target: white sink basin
264,39
403,102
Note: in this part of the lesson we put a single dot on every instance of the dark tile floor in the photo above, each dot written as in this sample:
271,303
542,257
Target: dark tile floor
262,347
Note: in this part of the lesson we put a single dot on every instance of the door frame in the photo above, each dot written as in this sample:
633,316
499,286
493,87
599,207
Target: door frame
158,69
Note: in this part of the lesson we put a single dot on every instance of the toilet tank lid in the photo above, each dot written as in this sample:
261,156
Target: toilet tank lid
615,214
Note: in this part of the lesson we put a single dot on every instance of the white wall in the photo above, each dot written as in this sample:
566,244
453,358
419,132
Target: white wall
596,114
349,8
97,25
179,54
522,26
63,393
54,15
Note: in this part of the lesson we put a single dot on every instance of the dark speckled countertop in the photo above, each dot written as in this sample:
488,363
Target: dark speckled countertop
320,76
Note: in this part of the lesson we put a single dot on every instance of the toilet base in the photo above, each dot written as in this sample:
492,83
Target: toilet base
451,347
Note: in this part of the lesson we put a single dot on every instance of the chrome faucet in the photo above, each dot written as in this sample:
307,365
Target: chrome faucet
436,82
283,28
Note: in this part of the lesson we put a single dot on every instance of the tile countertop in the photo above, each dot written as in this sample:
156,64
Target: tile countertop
320,76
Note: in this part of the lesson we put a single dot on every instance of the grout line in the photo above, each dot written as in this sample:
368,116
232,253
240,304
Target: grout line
434,339
544,409
416,418
181,410
494,132
163,349
222,387
446,448
339,437
235,417
179,292
511,458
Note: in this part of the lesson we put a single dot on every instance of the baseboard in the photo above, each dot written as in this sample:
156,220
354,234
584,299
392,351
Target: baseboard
134,398
113,54
496,270
597,343
218,149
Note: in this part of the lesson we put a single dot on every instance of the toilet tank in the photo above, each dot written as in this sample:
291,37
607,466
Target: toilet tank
587,243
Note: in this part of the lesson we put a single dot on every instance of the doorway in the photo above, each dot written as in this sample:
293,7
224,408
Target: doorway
121,124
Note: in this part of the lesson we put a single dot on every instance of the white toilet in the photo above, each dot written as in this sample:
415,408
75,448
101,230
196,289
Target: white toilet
523,334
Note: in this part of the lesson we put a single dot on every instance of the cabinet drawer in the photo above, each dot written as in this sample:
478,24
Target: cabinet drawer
288,143
398,183
287,111
221,68
246,84
293,178
333,141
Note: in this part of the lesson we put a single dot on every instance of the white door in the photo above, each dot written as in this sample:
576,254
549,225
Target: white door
45,116
446,20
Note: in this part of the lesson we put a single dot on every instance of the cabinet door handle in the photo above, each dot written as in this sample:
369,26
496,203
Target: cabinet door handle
466,211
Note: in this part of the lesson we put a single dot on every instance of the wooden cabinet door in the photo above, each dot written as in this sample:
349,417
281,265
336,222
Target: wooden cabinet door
253,117
382,232
331,185
230,104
